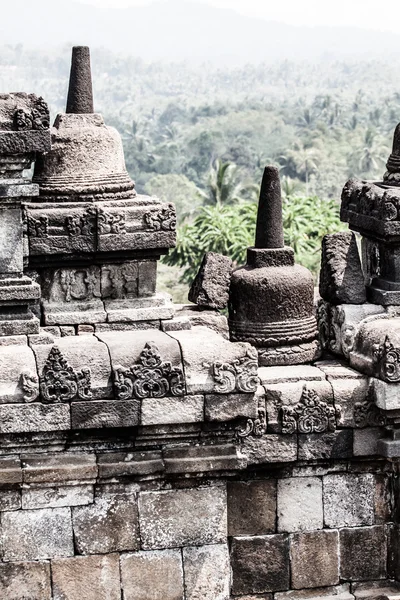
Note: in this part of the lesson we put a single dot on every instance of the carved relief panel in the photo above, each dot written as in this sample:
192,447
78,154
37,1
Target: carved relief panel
71,285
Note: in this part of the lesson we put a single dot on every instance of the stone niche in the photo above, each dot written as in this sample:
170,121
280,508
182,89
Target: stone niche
145,455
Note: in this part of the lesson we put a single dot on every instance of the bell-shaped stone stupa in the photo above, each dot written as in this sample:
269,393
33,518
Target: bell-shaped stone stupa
271,299
86,162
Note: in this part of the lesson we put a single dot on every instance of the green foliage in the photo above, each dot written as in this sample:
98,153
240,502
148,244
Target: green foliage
177,189
230,229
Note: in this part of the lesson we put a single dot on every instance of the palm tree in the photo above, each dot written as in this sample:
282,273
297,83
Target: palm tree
223,186
305,160
372,153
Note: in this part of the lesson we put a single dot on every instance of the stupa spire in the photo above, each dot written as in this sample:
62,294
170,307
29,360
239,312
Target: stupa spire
80,92
269,230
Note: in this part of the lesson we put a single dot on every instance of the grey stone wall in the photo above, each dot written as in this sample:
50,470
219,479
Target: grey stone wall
101,525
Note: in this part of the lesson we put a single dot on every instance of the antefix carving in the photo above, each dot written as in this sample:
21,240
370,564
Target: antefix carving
387,361
309,415
29,384
240,375
60,382
150,377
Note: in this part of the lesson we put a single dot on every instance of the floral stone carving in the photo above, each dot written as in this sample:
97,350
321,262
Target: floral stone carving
309,415
256,427
151,377
38,228
387,361
60,382
162,220
37,119
240,375
29,385
367,414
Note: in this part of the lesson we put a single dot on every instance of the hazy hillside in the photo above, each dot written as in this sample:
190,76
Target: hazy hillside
177,30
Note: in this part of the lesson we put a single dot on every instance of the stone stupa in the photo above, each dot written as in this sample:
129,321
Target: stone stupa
271,298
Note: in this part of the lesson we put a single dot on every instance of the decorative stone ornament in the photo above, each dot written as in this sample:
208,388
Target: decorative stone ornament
310,415
151,377
271,301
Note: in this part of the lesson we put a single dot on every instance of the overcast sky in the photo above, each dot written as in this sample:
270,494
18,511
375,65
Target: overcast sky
369,14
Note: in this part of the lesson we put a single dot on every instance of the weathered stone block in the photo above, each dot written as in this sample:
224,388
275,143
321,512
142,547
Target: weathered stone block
173,409
224,407
199,459
210,287
363,552
385,395
351,394
105,413
384,508
22,418
201,317
159,570
115,464
10,500
56,497
337,444
10,471
377,590
251,507
18,378
207,572
37,534
176,324
338,592
86,577
108,525
183,517
260,564
300,504
314,559
365,441
214,365
58,468
287,374
22,581
341,278
349,499
270,448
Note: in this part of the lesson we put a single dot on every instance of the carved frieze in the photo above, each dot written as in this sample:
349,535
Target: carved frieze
120,281
240,375
367,414
37,118
150,377
108,222
161,220
81,224
387,361
309,415
78,284
38,228
59,382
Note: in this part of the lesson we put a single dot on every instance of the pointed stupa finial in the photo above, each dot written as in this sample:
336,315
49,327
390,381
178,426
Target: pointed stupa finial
392,175
80,92
269,230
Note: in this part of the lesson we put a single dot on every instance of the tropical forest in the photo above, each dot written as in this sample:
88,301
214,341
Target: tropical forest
199,136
